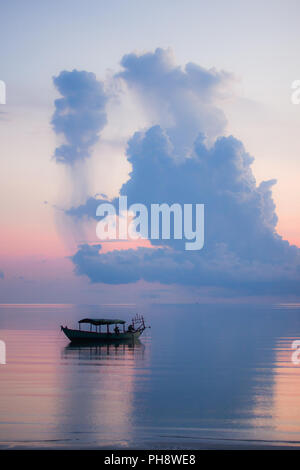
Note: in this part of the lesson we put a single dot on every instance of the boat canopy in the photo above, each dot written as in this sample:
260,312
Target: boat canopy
102,321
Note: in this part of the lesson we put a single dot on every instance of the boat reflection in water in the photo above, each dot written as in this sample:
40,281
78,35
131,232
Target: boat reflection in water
101,378
100,349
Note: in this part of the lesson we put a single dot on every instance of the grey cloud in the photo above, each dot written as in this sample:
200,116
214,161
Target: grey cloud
79,115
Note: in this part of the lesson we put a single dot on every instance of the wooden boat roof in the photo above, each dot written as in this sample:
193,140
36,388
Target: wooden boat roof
102,321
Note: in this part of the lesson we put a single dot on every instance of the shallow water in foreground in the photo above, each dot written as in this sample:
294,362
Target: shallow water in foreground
202,375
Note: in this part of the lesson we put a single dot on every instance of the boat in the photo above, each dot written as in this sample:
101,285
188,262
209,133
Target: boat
130,333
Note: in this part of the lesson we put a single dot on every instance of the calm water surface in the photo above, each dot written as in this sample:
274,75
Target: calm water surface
202,374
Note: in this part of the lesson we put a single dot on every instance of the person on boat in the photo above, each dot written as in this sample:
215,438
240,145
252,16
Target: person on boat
130,328
117,330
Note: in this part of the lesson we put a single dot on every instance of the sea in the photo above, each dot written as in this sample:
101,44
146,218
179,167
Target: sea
203,376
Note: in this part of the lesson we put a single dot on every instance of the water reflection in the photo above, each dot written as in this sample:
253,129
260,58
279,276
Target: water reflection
98,349
102,378
286,410
207,374
28,388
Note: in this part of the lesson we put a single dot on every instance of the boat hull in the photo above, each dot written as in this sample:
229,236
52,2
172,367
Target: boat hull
79,335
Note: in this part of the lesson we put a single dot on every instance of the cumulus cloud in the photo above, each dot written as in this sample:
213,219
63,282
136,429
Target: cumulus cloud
183,99
79,114
88,209
238,212
243,251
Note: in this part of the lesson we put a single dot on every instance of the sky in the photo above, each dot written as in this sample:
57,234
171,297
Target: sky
152,77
